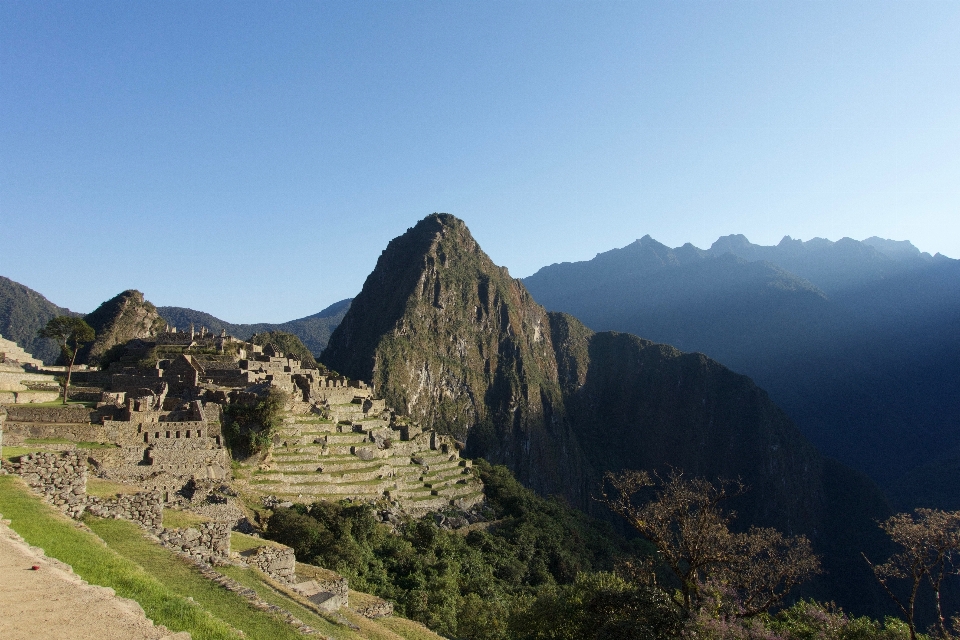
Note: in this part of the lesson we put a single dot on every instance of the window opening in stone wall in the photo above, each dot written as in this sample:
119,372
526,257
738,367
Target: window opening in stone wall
178,434
146,437
168,434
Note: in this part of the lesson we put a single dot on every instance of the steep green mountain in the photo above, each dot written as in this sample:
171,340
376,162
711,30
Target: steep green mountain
119,320
857,341
449,337
313,330
23,312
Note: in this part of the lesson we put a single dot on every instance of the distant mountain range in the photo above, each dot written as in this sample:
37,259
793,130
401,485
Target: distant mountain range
313,330
859,341
23,312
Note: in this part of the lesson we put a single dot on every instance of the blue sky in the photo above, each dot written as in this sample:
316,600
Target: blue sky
253,159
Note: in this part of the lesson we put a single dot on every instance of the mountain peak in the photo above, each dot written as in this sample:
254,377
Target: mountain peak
730,244
124,317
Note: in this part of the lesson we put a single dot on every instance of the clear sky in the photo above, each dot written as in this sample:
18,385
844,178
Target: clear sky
253,159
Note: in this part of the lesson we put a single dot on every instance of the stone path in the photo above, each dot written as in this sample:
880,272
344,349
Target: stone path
54,603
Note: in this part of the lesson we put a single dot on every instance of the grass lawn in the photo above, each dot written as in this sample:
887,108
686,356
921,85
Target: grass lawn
108,488
177,519
170,590
183,580
61,538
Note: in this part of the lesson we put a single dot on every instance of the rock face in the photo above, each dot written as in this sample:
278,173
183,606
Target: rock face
118,320
452,339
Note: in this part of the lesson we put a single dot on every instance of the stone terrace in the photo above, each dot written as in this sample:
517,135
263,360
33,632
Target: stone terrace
314,458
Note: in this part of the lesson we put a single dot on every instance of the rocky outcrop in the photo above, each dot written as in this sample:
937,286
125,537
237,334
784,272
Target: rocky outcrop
117,321
450,339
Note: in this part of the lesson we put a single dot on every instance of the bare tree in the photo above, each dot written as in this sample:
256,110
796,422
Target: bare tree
930,542
685,521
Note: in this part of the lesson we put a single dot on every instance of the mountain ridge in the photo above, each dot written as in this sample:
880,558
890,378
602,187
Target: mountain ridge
445,334
854,340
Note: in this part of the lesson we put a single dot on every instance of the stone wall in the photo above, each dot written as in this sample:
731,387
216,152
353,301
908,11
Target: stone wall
77,432
58,415
277,561
209,542
59,477
375,608
327,589
144,508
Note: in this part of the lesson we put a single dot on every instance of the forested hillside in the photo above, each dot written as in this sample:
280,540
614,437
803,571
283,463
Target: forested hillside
23,312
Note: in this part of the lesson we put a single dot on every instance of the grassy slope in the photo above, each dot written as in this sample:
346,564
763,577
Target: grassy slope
60,538
162,583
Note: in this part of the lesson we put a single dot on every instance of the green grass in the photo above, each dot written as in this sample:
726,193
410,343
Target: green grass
182,579
240,542
177,519
60,538
79,445
12,453
108,488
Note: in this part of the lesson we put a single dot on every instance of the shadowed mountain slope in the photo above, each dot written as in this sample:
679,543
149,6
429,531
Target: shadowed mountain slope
449,337
857,341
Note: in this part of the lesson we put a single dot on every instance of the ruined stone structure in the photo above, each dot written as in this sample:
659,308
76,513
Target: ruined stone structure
208,542
163,449
60,478
20,377
145,508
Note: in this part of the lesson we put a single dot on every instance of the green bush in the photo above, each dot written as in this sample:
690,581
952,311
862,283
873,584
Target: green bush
249,427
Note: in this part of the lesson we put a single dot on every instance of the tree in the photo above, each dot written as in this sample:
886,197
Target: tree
686,523
69,333
930,542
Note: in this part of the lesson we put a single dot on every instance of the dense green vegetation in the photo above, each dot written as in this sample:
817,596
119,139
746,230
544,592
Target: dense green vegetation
463,585
23,312
539,571
249,426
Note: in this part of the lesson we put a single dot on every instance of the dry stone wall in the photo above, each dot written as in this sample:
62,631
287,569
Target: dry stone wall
144,508
278,562
59,477
209,542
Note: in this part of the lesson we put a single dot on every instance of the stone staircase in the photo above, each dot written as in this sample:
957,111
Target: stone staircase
362,457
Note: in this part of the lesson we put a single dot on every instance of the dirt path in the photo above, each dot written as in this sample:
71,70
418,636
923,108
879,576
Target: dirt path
54,604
